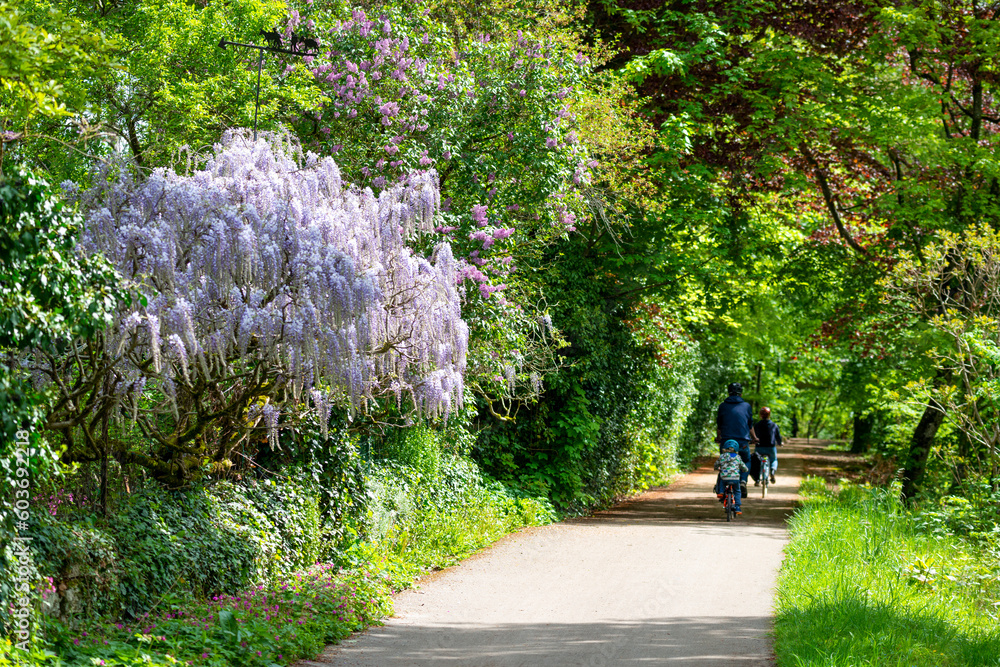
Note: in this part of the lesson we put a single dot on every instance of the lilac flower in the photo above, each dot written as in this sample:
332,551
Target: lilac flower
479,215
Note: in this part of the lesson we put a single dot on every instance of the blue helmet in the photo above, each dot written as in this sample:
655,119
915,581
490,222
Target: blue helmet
730,446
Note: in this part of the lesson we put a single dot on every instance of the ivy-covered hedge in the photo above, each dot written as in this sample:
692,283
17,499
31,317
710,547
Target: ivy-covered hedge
611,422
200,542
428,518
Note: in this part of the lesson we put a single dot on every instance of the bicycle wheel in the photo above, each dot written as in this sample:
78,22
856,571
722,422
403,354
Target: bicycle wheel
730,501
764,469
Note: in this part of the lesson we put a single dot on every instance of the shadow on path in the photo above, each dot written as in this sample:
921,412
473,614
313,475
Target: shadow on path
698,642
690,498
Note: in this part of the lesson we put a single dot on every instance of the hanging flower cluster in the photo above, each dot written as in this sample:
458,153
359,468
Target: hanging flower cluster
266,283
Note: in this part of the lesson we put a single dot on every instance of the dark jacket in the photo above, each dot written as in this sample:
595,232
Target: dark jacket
734,419
767,433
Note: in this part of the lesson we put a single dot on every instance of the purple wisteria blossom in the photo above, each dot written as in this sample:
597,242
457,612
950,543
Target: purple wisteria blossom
266,265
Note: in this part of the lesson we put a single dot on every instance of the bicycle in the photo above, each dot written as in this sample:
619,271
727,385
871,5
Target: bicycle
765,475
729,500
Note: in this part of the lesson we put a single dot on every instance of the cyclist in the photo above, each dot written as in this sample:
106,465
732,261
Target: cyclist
731,469
768,440
734,421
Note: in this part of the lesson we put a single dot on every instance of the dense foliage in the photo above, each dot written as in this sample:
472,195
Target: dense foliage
160,573
523,242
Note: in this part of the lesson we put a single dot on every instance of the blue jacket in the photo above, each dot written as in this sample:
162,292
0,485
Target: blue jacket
734,419
768,434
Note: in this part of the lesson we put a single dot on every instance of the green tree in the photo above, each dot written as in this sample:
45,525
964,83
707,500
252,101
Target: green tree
873,120
49,293
47,57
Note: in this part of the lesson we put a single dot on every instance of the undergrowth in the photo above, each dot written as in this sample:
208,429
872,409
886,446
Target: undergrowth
866,581
420,516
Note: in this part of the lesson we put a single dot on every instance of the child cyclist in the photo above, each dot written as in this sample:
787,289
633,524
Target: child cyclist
730,465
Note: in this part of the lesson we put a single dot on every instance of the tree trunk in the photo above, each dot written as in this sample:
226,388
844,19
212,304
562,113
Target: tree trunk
795,424
863,427
920,447
966,451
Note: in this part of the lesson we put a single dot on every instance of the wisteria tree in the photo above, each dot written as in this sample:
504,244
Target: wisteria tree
265,288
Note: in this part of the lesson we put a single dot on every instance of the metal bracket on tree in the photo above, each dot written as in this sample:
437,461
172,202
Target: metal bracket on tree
275,45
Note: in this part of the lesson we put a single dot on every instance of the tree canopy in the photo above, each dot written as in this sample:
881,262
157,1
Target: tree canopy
638,203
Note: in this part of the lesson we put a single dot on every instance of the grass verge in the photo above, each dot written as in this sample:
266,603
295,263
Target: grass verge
863,583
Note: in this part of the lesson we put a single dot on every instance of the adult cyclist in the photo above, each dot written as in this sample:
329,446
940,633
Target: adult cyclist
734,421
769,439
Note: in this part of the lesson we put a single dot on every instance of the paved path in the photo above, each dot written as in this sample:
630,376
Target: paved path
649,582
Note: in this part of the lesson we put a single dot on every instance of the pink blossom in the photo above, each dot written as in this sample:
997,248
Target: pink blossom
479,215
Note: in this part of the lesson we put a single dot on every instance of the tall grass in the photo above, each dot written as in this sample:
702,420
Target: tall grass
862,584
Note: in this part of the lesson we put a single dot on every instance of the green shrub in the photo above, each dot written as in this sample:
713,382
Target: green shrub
82,558
975,515
610,424
256,627
416,446
422,521
199,542
332,468
164,558
812,487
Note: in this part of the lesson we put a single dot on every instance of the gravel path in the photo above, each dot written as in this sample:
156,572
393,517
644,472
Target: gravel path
661,579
